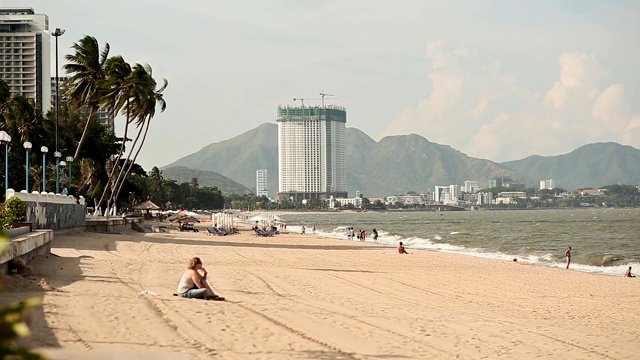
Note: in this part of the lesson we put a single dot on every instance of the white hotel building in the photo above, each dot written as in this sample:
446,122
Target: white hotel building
25,56
311,152
262,188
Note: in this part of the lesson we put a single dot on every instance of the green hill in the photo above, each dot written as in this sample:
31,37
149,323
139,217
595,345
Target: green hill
591,165
394,165
397,164
183,174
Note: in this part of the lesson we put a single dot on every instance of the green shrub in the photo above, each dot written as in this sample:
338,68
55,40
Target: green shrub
15,210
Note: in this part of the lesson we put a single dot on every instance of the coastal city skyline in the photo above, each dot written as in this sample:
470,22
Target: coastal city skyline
495,80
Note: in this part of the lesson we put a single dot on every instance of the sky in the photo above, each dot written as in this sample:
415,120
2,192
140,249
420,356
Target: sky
497,80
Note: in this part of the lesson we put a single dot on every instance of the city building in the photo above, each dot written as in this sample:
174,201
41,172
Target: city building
25,54
547,184
311,152
447,195
470,186
505,181
374,199
355,202
262,188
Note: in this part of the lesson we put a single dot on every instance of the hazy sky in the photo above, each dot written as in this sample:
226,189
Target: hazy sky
498,80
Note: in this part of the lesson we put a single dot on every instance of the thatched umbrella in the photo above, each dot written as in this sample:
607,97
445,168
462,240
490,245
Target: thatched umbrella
183,218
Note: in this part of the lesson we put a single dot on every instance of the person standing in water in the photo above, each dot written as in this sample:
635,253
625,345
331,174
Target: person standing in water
567,254
375,235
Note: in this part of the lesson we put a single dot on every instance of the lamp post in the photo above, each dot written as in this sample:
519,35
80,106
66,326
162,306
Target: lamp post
57,33
57,155
69,161
44,150
27,147
62,165
5,139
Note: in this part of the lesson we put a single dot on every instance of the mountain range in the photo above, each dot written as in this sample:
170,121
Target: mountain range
402,163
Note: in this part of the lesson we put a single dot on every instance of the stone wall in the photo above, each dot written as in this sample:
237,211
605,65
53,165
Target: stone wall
52,211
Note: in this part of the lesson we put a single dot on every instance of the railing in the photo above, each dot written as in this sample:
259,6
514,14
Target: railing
45,197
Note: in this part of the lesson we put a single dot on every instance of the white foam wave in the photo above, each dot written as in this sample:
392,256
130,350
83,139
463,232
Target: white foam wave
427,244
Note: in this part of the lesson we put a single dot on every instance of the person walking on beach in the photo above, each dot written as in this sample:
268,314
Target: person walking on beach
303,229
628,273
193,284
401,249
567,254
375,235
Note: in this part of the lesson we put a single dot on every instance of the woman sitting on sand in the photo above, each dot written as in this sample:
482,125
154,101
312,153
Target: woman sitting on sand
193,285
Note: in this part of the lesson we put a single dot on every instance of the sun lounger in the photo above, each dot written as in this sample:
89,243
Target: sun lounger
216,231
261,232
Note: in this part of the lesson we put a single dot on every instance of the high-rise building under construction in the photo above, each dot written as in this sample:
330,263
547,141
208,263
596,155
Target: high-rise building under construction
311,152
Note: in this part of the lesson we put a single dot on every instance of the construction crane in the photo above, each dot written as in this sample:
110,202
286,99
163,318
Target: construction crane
322,95
302,100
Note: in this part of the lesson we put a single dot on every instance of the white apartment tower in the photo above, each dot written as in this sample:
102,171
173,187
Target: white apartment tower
25,56
261,183
311,152
547,184
471,186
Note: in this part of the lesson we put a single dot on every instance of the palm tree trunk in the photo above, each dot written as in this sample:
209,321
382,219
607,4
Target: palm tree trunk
122,174
111,182
84,132
146,129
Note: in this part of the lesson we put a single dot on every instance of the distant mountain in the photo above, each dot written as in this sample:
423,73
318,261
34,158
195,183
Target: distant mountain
182,174
398,164
394,165
590,165
238,158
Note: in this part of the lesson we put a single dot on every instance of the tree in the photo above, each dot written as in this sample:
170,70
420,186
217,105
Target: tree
116,87
86,68
146,96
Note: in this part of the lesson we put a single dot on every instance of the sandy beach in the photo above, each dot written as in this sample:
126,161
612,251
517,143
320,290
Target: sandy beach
295,296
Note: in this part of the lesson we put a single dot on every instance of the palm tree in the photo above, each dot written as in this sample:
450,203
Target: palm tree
86,68
25,117
146,96
5,95
116,84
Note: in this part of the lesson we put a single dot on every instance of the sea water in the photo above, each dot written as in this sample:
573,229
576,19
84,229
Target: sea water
603,240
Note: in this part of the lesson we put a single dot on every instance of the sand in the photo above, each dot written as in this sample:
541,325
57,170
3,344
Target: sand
302,297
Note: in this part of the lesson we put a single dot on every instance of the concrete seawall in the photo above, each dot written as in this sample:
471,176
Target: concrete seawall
52,211
25,245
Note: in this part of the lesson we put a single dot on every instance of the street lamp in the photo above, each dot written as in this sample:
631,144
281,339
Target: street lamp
57,155
5,139
27,147
69,161
57,33
44,150
62,165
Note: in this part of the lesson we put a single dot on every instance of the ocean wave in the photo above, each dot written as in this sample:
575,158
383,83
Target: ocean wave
608,264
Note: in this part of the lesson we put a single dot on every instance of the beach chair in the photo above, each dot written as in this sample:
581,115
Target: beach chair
261,232
216,231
